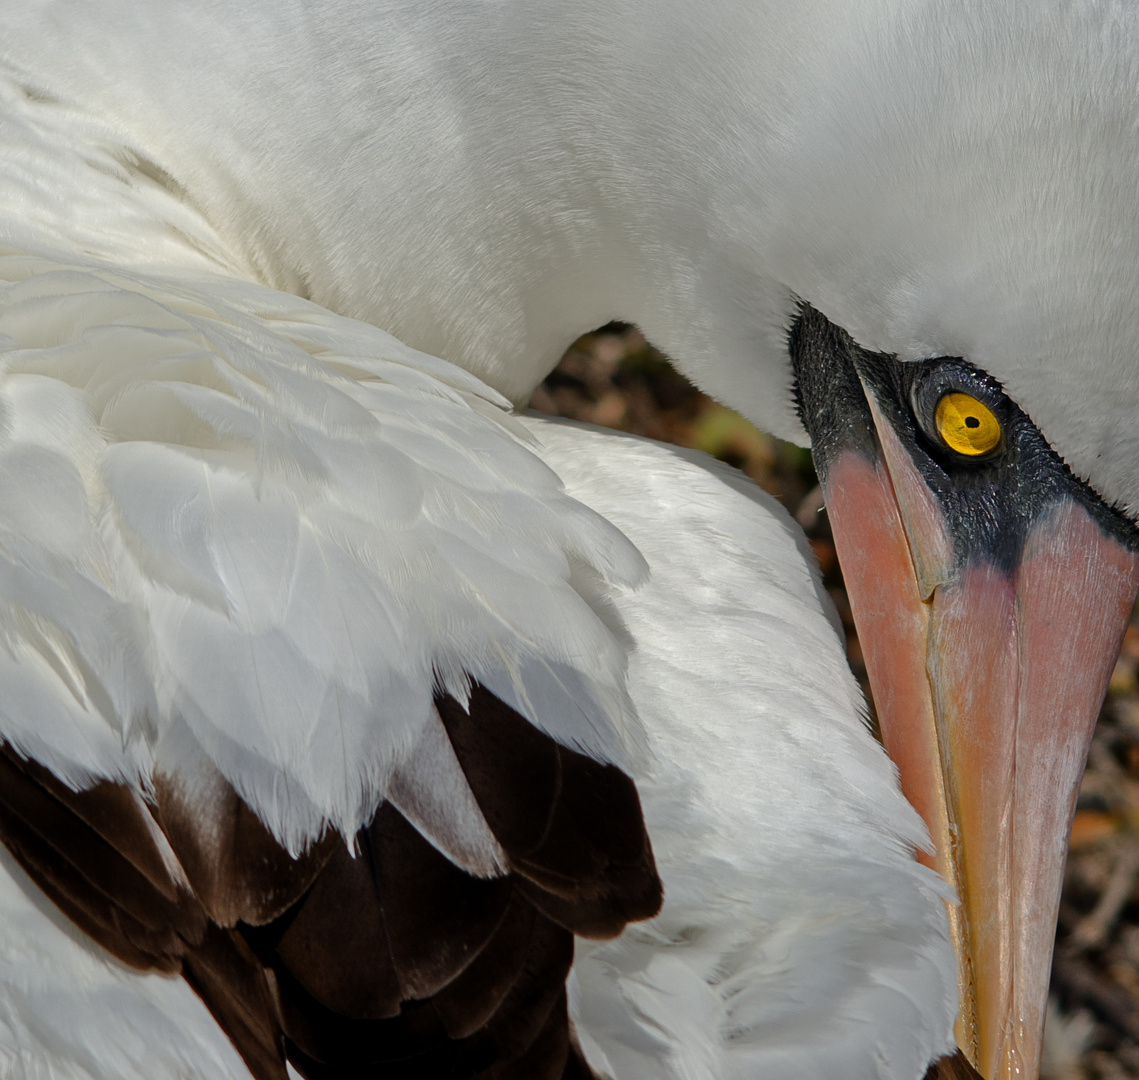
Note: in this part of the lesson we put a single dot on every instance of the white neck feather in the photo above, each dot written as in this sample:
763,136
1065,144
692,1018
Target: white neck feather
486,181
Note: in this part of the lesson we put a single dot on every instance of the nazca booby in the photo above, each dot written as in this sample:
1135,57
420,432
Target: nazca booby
902,229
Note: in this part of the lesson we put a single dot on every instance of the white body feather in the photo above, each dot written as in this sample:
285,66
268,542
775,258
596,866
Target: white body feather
798,938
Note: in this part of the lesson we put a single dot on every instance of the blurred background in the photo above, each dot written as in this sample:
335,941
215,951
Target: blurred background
613,378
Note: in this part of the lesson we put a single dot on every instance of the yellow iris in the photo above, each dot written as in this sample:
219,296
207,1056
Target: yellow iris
966,425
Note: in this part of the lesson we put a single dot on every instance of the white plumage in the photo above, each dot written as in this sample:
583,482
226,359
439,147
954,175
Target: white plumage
245,538
797,939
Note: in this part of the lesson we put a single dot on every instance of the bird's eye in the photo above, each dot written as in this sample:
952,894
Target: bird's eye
966,425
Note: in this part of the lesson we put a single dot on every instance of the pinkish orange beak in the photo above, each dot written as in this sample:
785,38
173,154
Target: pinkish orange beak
991,593
987,686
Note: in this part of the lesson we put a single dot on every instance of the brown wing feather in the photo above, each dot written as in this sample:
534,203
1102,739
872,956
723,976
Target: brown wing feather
386,960
335,945
548,1055
232,983
468,1002
438,917
238,871
585,850
116,815
92,881
521,1017
96,915
512,768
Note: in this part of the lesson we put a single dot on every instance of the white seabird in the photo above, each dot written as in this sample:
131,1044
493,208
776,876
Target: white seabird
250,541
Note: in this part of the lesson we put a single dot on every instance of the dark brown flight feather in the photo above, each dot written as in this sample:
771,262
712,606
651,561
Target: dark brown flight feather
469,1000
115,814
548,1055
438,917
232,983
336,946
388,959
90,880
238,871
560,817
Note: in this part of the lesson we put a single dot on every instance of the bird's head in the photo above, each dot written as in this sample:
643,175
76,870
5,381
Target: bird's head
991,588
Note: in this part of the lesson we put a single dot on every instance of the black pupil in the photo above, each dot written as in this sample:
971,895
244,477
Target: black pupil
972,421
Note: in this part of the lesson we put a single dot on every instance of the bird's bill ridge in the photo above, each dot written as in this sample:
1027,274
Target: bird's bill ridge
988,667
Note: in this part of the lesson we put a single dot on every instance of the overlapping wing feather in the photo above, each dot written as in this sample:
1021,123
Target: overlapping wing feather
236,527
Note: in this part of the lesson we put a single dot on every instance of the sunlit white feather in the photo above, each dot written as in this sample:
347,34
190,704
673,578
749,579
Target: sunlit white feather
235,521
